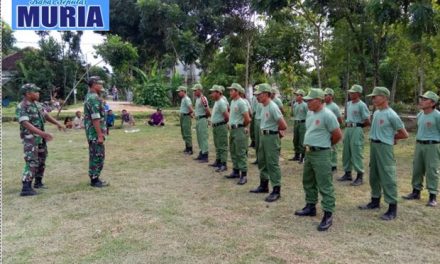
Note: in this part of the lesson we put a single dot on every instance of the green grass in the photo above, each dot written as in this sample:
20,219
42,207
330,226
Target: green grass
163,207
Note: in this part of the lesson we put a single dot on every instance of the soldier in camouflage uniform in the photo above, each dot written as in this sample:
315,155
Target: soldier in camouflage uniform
31,117
95,128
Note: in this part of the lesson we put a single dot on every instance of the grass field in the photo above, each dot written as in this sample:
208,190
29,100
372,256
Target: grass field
163,207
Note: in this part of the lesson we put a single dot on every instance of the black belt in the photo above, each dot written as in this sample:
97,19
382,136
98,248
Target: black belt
269,132
219,124
376,141
200,117
237,126
186,114
354,124
300,121
312,148
428,142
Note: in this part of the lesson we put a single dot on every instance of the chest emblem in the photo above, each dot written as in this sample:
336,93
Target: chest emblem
317,122
355,112
428,124
381,122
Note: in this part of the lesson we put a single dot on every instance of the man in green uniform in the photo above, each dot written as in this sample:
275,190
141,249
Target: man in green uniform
427,152
322,133
95,128
238,121
386,129
30,115
275,96
202,113
219,121
357,116
186,112
272,128
257,119
254,103
299,109
332,106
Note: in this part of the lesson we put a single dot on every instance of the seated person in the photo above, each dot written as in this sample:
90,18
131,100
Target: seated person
110,120
127,119
68,123
78,121
157,118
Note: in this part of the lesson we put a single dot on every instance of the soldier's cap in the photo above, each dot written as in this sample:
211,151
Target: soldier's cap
300,92
380,90
356,88
94,79
29,88
197,86
263,88
329,91
182,88
275,90
315,93
217,88
430,95
237,87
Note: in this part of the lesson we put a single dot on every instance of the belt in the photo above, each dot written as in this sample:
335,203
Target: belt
237,126
376,141
354,124
219,124
312,148
186,114
269,132
299,121
200,117
428,142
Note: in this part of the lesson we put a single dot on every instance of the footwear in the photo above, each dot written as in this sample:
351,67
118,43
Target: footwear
189,151
432,200
222,167
204,158
359,179
97,183
27,189
38,184
295,157
216,163
235,174
415,195
374,204
391,213
301,158
346,176
243,178
334,169
255,162
262,188
308,210
252,145
274,195
199,157
326,222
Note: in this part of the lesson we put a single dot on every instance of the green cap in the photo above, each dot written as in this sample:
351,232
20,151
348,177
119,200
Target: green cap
300,91
263,88
182,88
275,90
356,88
237,87
380,90
94,79
314,94
197,86
329,91
430,95
216,88
29,88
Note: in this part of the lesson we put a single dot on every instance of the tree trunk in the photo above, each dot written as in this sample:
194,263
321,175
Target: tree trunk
421,78
394,86
318,56
248,51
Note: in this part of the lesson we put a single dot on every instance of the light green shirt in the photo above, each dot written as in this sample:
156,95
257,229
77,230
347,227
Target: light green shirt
218,110
385,125
201,105
185,104
319,127
278,102
357,113
226,100
300,110
238,108
428,126
334,108
270,115
258,109
254,103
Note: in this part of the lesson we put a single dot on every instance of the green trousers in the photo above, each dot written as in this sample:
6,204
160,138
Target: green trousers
220,135
202,134
96,158
252,128
238,144
268,159
35,157
299,130
317,176
185,129
335,155
257,136
353,151
383,172
426,162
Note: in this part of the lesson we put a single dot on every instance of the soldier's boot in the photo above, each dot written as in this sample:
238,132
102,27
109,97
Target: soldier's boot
415,195
274,195
38,184
204,158
432,200
97,183
215,164
243,178
222,167
374,204
359,179
346,176
308,210
189,151
252,145
391,213
235,174
301,158
27,189
295,157
334,168
262,188
326,222
199,157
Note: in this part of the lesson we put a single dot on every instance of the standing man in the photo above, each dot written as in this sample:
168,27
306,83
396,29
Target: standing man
332,106
95,127
386,129
219,120
272,128
322,133
276,98
254,103
300,109
427,152
357,117
31,117
186,111
202,113
257,120
238,121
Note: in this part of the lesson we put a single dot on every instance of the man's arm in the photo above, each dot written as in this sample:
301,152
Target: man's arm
401,134
246,118
35,130
336,136
96,125
226,116
52,120
282,126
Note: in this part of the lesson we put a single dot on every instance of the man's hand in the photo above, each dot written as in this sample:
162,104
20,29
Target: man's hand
282,133
47,136
100,139
246,130
61,127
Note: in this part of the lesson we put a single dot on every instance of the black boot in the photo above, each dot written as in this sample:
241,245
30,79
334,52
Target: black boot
97,183
243,178
199,157
308,210
252,145
215,164
235,174
301,158
415,195
326,222
296,157
274,195
374,204
189,151
262,188
39,183
334,168
432,200
346,176
391,213
204,158
27,189
359,179
222,167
